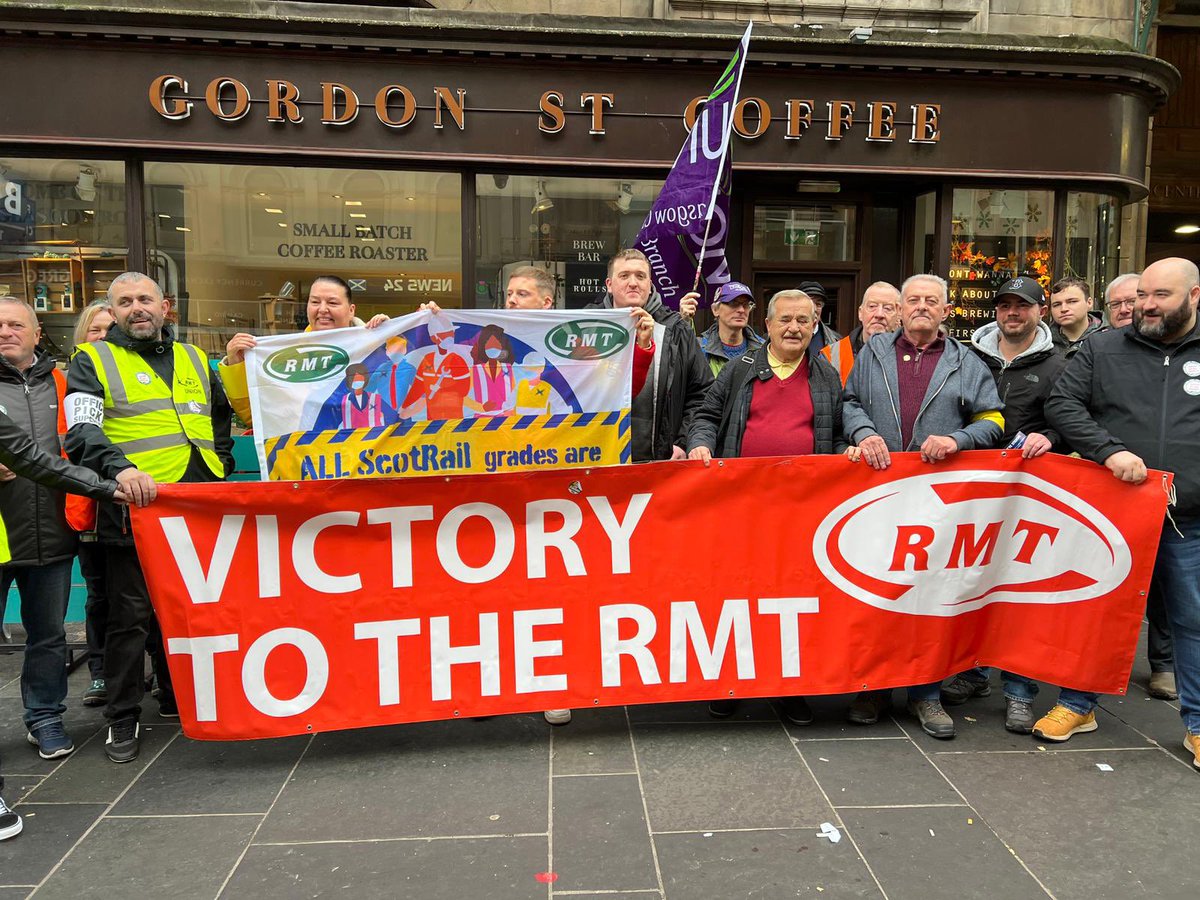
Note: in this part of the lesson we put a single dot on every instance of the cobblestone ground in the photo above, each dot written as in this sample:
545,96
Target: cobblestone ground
643,802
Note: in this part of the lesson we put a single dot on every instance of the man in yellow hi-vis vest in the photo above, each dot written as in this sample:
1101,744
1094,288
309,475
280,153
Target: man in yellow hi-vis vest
144,409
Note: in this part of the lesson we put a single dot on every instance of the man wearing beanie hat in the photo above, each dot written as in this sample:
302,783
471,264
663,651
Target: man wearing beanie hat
823,335
730,336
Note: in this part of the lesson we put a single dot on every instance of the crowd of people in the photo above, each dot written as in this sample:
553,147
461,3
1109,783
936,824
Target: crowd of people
138,408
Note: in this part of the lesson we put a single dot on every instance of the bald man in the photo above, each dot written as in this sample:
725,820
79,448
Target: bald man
1130,399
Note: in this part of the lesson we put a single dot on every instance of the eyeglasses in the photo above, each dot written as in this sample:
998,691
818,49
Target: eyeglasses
747,305
1119,304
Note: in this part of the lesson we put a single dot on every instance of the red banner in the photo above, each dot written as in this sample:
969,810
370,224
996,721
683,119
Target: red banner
300,607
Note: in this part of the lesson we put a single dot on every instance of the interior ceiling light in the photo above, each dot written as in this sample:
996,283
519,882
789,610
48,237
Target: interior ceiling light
354,203
541,202
85,184
1187,229
358,215
272,209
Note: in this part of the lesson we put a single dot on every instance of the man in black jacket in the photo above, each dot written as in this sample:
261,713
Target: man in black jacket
42,545
19,453
1130,399
779,401
1020,353
679,376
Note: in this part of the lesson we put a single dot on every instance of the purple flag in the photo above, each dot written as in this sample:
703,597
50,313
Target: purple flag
688,224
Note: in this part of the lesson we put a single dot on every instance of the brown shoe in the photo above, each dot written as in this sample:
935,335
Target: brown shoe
1162,686
1191,743
868,706
1061,723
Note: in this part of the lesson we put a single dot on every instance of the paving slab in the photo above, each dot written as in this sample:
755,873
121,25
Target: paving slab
761,864
49,834
15,893
1158,720
596,741
756,709
424,780
931,853
213,777
19,756
17,788
502,868
179,857
87,775
702,778
876,773
600,837
1131,832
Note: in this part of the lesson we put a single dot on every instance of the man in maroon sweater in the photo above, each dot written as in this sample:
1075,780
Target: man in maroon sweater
776,401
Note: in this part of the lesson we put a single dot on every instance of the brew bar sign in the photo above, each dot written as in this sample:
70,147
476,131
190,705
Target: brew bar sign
395,106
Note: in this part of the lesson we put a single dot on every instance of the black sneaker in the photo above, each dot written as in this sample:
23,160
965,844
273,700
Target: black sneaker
868,706
122,743
722,709
961,689
167,708
96,694
10,822
796,710
1018,716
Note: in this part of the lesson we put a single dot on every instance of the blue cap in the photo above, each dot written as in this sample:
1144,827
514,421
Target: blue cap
731,290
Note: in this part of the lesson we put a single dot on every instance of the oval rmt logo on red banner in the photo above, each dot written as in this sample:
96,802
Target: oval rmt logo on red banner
951,542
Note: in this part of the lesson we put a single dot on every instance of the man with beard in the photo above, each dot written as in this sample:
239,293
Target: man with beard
1130,399
878,313
679,376
1021,355
144,409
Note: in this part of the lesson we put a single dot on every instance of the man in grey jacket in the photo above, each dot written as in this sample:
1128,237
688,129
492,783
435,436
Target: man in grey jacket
918,390
40,541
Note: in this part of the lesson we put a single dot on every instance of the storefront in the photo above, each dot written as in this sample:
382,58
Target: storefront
423,163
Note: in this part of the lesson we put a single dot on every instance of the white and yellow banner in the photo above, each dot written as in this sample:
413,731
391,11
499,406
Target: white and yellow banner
452,392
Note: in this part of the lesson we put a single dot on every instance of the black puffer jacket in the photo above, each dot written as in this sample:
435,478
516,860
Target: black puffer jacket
27,459
663,410
1025,383
38,533
721,422
1122,391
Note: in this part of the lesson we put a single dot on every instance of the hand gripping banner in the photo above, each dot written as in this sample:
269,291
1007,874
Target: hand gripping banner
454,392
290,608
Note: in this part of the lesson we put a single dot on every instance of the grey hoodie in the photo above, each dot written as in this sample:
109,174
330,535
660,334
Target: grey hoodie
960,392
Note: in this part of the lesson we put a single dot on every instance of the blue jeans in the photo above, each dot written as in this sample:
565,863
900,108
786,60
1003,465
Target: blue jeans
1016,687
931,691
1177,578
44,591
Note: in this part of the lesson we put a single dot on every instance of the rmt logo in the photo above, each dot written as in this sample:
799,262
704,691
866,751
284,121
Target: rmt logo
953,542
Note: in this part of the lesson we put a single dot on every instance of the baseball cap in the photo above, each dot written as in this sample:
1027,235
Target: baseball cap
813,289
731,290
1024,287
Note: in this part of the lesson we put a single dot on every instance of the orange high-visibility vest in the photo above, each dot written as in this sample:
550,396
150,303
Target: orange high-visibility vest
841,355
81,511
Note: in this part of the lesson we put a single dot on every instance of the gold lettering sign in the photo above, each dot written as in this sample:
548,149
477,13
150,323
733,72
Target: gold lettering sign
553,119
764,117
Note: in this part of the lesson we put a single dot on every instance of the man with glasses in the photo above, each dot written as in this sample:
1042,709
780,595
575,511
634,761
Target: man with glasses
730,336
1071,312
878,313
1119,297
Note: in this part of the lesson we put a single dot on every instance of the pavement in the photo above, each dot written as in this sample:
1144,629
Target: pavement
641,802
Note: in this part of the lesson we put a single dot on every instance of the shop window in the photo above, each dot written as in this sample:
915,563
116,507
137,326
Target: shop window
924,234
236,247
569,226
1093,229
997,234
62,238
805,231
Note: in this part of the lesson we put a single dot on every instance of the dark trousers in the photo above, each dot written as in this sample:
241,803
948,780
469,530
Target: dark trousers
93,563
1160,649
132,632
45,591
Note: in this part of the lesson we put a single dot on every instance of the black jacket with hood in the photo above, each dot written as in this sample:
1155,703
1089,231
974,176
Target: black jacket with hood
1024,383
34,513
88,445
663,410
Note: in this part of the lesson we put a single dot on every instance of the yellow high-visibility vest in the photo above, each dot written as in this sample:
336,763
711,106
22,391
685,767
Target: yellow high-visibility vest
5,553
155,424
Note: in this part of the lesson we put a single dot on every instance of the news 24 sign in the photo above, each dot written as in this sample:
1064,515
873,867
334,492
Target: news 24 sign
290,608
